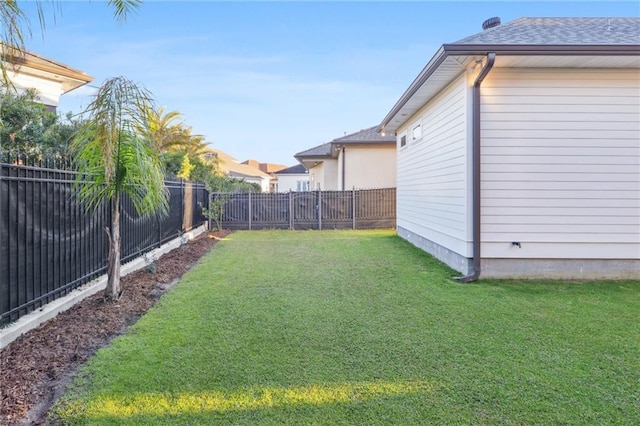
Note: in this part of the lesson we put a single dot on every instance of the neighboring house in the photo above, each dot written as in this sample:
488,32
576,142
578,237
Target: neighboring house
295,178
233,168
362,160
268,168
519,150
49,78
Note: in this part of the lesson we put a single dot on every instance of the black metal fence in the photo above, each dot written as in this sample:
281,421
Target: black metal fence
50,246
356,209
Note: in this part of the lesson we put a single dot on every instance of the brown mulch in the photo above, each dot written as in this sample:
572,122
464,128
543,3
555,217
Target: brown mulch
36,367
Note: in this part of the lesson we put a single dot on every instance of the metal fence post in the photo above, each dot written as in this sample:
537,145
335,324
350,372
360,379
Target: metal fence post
182,204
209,215
353,206
291,210
250,211
319,210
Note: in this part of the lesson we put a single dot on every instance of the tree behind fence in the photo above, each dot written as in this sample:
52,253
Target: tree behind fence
50,246
356,209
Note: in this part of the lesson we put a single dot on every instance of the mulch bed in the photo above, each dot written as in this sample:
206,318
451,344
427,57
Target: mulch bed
36,367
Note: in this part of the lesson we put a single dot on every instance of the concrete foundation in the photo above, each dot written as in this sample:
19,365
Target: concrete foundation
559,269
562,269
443,254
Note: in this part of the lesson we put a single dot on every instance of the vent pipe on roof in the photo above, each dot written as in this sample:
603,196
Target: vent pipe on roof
490,23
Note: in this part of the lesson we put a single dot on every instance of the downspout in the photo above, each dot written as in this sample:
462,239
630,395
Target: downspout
476,145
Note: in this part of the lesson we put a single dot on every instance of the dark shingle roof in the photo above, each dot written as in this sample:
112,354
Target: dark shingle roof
561,31
297,169
365,136
323,150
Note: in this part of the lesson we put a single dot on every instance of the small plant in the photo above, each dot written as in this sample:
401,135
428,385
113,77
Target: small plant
216,209
150,261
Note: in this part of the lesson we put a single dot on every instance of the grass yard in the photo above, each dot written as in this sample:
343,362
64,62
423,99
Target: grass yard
361,328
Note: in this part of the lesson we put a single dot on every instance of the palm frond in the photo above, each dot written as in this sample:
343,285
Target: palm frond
122,8
111,157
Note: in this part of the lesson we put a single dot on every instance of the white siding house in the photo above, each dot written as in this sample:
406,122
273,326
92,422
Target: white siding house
294,178
519,151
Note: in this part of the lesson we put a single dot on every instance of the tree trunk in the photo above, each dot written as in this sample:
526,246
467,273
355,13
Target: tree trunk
112,291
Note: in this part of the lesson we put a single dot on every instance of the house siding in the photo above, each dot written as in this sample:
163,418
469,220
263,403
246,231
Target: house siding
316,177
561,164
432,180
368,167
49,91
289,182
324,176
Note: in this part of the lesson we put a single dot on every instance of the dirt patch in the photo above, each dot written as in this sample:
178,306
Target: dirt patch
36,367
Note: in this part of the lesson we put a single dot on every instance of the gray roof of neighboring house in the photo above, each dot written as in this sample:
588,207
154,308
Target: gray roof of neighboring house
365,136
369,135
561,31
297,169
323,150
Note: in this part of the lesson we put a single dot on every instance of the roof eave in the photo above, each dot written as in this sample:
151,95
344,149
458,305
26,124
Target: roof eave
71,77
424,75
448,50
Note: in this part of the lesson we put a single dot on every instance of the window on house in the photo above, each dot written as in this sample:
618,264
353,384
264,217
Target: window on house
403,140
302,185
417,132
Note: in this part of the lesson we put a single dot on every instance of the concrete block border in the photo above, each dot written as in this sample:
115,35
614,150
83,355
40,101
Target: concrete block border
50,310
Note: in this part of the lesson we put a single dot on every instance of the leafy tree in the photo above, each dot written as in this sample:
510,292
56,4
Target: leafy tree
203,169
220,186
221,183
28,129
185,169
114,160
25,122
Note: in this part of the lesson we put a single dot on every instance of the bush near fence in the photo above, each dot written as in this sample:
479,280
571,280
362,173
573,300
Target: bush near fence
355,209
50,246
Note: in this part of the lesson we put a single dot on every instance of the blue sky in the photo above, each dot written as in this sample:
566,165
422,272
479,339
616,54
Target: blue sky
265,80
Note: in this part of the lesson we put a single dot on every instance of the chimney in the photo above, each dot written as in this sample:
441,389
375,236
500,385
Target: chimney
490,23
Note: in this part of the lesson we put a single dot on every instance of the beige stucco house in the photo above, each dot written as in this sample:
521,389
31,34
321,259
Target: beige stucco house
361,160
51,79
233,168
519,151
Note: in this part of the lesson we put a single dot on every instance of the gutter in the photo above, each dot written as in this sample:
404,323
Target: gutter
543,49
475,274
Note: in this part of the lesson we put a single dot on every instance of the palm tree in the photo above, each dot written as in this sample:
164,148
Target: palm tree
169,133
164,129
114,159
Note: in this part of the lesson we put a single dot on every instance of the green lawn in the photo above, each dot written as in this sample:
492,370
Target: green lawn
359,327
